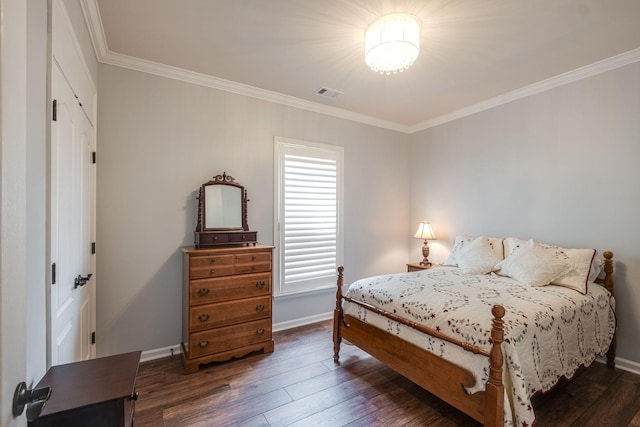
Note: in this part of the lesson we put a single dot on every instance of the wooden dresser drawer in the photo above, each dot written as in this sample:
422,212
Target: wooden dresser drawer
249,236
255,267
203,272
229,337
258,257
210,260
229,313
206,291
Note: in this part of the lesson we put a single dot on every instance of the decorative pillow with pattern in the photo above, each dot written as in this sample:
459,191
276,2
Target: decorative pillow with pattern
532,264
477,257
580,261
461,241
511,244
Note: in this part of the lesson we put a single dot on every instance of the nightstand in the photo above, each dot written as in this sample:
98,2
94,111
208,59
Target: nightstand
94,392
416,266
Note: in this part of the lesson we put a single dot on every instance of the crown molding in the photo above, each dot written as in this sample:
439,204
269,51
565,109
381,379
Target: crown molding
142,65
91,13
104,55
571,76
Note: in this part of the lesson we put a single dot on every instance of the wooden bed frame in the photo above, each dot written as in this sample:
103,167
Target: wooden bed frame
440,377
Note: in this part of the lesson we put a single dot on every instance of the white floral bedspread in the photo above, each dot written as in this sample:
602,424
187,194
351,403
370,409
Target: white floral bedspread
549,331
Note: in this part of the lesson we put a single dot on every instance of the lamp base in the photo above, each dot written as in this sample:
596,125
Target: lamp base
425,254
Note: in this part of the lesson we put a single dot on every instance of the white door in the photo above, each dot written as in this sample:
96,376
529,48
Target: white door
71,302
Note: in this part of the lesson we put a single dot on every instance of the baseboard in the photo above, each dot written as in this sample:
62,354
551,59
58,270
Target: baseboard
624,364
281,326
159,353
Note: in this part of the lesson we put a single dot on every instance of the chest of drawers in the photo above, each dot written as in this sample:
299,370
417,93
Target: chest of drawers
226,309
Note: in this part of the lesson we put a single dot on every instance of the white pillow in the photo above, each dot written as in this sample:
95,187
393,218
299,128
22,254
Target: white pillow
511,244
596,267
461,241
532,264
579,260
458,244
477,257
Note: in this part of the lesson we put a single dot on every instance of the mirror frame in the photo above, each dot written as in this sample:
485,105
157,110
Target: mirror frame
220,236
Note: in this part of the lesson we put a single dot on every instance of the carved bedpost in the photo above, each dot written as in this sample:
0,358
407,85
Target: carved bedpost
337,317
608,283
608,270
494,398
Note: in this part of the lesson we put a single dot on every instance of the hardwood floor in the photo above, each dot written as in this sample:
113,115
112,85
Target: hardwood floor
299,385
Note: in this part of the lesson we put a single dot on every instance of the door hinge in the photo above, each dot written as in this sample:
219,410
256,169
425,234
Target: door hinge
53,273
93,157
93,337
54,110
93,248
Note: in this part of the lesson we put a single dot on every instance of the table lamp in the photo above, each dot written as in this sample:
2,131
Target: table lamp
425,232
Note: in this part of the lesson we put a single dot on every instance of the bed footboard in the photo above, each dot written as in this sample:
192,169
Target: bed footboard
435,374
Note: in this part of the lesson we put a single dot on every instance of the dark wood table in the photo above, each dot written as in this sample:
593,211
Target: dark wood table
98,392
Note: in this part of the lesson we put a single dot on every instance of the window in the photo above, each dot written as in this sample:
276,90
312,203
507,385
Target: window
308,234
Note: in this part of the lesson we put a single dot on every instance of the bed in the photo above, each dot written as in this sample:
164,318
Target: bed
483,341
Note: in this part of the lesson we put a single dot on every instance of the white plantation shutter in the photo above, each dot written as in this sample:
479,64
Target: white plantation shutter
308,229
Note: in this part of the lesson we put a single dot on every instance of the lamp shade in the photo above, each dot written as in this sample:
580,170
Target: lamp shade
425,232
392,43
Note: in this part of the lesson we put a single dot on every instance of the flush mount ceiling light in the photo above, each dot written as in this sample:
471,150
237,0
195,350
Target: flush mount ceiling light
392,43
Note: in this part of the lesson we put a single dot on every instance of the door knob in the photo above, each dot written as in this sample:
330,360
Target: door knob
33,399
81,281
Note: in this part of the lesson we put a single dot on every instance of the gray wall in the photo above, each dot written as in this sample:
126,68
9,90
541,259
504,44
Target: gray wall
160,139
560,166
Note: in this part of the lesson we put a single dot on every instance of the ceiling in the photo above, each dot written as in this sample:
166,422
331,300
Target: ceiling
472,51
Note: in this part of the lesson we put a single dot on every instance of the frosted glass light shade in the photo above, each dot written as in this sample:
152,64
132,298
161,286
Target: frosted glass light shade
392,43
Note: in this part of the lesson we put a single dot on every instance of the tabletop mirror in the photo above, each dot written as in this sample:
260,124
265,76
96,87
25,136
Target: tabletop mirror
222,213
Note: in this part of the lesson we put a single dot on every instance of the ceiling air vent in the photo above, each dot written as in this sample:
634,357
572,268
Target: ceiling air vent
328,93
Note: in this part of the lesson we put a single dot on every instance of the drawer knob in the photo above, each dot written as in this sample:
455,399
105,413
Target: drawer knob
260,331
203,292
203,344
259,307
213,261
212,271
134,396
203,317
260,284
